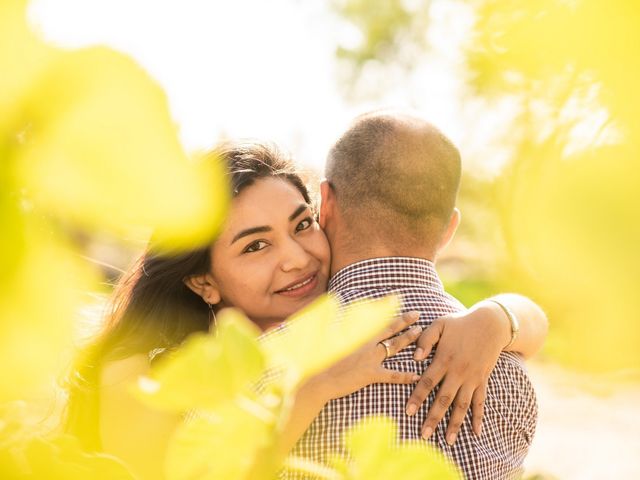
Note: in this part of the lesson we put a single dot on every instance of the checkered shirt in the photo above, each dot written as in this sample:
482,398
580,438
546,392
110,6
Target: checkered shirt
510,407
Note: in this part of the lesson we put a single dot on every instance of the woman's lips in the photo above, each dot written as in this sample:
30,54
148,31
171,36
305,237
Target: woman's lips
301,288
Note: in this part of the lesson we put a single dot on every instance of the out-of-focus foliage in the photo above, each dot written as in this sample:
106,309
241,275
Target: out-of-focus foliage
382,35
234,429
25,454
383,28
570,206
88,138
212,375
96,121
183,381
315,325
36,310
86,141
566,201
373,440
87,145
225,443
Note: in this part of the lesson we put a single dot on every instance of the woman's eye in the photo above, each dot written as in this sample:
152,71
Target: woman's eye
304,224
255,246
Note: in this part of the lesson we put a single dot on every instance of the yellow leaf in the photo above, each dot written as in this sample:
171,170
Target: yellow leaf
37,310
376,455
64,458
23,57
223,444
320,335
208,370
102,151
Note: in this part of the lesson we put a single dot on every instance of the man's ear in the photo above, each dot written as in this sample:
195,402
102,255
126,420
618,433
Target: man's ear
450,231
205,286
327,202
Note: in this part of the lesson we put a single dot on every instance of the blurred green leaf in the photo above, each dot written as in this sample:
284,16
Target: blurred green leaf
102,152
375,455
63,459
379,27
321,334
224,443
313,470
37,311
86,142
23,57
26,454
567,203
208,370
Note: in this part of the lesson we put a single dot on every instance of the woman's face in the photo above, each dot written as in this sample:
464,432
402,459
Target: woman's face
272,258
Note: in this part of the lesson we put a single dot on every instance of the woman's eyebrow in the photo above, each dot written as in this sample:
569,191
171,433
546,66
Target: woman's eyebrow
265,228
298,211
250,231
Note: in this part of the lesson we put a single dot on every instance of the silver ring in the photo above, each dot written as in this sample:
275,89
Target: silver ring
387,348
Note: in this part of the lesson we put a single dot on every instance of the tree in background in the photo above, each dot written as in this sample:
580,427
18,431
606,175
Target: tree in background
87,146
566,200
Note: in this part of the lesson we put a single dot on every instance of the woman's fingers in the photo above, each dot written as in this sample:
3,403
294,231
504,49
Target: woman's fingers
395,344
430,378
477,408
399,324
458,411
428,339
393,376
443,400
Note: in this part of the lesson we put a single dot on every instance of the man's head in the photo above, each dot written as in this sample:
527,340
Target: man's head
392,181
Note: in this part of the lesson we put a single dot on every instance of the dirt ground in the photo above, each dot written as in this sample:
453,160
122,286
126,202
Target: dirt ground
589,425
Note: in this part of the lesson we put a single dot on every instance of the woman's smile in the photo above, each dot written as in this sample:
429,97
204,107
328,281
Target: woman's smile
301,287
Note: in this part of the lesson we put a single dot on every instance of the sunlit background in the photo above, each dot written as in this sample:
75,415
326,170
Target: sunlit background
271,69
539,96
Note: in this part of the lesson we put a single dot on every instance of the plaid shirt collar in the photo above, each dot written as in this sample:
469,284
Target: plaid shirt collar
395,273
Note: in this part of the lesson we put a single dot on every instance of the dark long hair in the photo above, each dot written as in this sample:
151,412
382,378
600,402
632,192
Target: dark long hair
152,310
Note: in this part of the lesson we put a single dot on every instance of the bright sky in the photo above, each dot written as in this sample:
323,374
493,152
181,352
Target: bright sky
267,69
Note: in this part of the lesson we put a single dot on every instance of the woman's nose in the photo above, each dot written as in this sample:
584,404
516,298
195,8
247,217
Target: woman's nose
294,257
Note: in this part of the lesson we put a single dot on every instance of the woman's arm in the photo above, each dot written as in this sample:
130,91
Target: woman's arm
134,433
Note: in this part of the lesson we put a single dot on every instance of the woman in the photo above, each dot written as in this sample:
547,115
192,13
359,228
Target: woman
270,260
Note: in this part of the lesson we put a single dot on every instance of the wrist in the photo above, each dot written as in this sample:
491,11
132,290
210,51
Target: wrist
509,318
315,390
498,321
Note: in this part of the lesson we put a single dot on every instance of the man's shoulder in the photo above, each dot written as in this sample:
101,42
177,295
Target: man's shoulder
425,300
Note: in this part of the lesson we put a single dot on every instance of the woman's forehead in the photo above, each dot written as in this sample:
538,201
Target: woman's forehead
266,199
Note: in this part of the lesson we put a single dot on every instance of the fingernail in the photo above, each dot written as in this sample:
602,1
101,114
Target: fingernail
427,432
416,329
415,378
418,354
411,409
451,438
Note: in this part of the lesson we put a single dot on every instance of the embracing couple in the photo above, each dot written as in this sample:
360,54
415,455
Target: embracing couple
447,375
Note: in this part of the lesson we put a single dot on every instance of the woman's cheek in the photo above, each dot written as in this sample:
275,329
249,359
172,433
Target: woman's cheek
322,250
259,273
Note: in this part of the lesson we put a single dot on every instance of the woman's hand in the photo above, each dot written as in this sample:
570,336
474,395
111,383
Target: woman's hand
364,366
469,344
361,368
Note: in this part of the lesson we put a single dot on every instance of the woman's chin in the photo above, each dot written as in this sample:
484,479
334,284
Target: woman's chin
295,305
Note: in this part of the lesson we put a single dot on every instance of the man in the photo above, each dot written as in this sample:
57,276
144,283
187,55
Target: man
388,208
